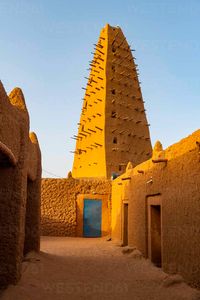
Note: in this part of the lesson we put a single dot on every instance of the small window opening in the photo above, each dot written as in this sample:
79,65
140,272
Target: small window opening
113,91
114,140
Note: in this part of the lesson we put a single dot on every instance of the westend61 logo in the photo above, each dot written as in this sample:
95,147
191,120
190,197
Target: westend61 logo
85,288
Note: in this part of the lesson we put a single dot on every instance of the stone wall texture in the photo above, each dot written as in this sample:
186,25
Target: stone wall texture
174,175
58,204
20,179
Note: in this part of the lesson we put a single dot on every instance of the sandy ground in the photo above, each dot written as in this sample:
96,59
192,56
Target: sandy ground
78,268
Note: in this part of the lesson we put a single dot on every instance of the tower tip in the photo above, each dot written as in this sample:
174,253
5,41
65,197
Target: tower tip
107,26
16,98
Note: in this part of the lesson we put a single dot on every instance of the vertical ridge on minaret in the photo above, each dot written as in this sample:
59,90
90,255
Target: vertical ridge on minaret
113,129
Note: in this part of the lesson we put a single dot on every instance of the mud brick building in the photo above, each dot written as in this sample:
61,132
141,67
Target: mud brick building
113,128
155,202
112,131
156,208
20,180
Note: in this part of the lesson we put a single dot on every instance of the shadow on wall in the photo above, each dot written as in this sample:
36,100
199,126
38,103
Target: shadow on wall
54,227
20,180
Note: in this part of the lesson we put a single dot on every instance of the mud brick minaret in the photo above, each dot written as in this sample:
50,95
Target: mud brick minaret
113,128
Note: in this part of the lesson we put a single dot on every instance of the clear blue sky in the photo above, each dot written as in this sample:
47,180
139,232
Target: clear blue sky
45,47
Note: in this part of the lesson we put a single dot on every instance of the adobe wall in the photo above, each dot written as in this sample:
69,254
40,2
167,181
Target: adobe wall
127,135
58,203
90,156
18,163
177,181
33,203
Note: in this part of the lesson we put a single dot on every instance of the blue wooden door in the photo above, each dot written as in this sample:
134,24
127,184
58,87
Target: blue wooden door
92,212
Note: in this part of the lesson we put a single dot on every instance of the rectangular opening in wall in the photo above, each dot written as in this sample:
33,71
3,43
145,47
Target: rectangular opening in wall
125,224
154,232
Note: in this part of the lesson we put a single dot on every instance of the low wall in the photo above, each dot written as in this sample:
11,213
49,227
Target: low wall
58,210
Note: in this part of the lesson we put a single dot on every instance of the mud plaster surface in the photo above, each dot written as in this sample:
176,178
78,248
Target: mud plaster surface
58,203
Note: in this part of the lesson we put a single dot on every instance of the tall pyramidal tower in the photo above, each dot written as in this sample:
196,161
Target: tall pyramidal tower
113,128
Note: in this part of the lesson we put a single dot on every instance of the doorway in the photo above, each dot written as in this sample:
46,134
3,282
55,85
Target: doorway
154,230
92,216
125,224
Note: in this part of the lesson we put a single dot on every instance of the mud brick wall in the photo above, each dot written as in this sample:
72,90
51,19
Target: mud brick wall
20,163
58,204
177,182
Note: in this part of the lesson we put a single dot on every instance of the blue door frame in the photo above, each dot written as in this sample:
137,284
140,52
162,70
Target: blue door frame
92,214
